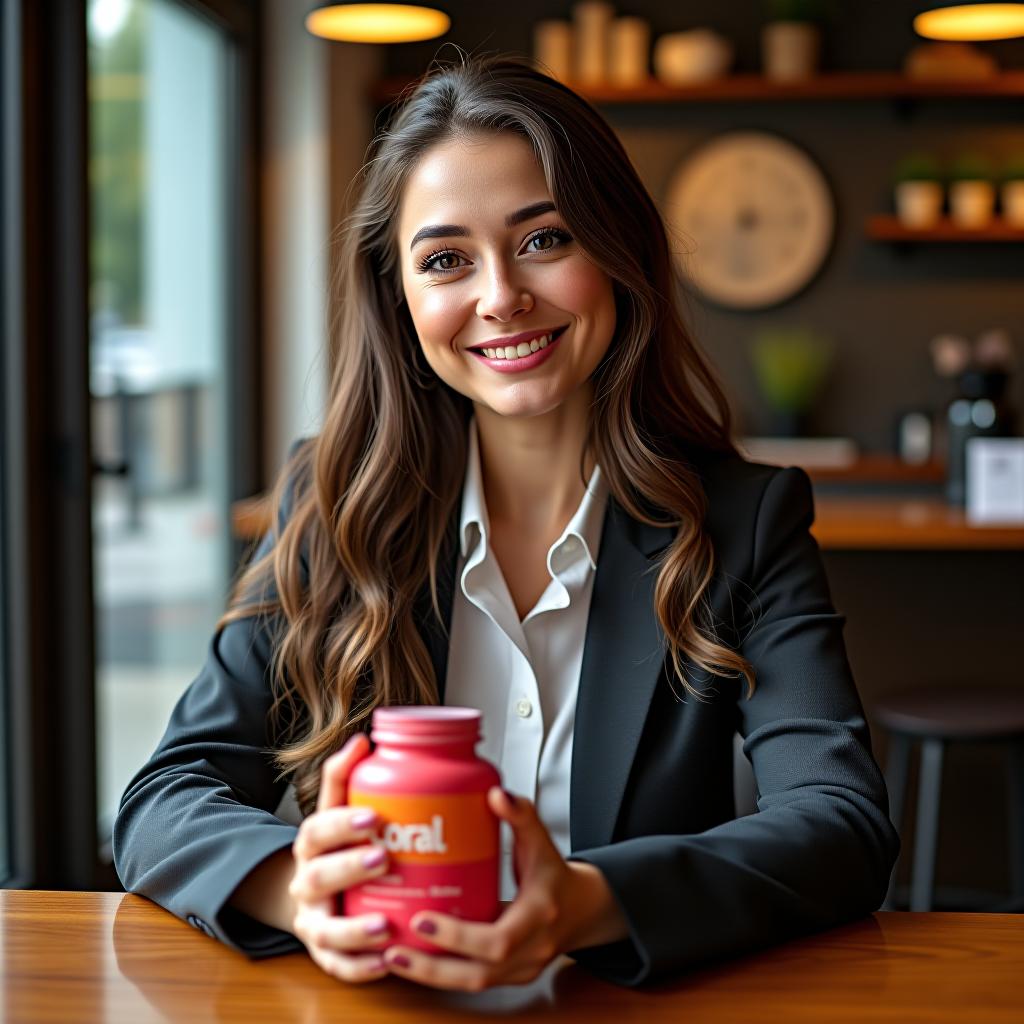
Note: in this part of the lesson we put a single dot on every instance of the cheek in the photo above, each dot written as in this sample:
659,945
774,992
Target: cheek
586,290
436,316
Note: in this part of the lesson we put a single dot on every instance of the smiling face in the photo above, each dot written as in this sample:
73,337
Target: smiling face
485,257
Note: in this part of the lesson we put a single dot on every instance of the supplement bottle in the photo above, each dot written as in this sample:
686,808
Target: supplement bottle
429,789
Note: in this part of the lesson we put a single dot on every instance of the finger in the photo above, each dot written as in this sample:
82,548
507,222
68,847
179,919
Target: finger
331,873
353,969
492,942
489,942
343,934
439,971
334,828
335,771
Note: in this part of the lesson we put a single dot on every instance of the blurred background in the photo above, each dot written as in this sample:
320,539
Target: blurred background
844,191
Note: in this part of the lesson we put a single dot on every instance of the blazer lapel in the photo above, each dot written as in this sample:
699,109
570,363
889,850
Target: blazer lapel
435,636
622,658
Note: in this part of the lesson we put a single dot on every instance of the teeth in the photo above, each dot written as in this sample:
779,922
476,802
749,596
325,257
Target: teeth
524,348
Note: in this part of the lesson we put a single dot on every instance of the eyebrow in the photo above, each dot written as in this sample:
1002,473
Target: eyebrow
511,221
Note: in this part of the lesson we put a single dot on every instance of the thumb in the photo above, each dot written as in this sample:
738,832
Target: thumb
532,841
336,769
516,810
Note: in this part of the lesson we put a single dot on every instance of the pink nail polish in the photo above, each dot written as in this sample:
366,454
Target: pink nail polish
363,819
374,858
399,960
427,927
376,927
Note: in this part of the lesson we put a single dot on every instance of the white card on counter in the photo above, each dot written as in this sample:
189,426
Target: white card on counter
995,479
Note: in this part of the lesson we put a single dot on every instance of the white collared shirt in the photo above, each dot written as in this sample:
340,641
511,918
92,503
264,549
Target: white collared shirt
523,675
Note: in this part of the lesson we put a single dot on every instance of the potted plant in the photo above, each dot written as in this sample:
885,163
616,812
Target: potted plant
918,190
790,365
1011,193
972,192
791,41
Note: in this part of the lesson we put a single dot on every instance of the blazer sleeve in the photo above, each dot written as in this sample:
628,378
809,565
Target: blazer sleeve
820,848
198,816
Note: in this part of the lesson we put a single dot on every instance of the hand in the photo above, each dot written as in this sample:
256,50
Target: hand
341,946
561,905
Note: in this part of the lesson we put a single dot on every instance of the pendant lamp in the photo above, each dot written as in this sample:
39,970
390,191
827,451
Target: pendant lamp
377,23
973,22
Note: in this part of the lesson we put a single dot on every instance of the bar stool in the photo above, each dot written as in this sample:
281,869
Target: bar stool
937,719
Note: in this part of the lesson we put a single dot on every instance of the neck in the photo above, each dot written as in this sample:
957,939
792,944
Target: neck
531,464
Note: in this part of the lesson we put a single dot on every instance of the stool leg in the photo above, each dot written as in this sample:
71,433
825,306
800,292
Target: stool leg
897,762
1016,823
926,839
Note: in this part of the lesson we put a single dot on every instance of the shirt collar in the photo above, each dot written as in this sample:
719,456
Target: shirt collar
473,522
585,524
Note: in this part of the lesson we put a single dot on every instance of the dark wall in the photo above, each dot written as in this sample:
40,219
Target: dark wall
936,619
881,304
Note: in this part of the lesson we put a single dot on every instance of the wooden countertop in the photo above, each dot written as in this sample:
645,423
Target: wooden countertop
103,957
842,522
854,522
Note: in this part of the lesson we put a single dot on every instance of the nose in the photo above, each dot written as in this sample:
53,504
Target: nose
505,295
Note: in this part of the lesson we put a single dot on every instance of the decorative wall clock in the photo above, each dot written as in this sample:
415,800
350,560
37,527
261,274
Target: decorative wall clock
760,215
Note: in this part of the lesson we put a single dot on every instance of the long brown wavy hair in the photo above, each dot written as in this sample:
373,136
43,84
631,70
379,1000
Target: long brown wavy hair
373,493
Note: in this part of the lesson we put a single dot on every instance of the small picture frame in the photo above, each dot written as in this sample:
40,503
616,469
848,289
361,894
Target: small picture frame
995,480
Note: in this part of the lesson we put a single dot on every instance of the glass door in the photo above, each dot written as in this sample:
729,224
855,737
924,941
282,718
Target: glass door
160,365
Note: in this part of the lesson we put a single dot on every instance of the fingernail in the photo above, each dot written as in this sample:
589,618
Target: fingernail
511,799
364,819
399,960
374,858
376,926
427,927
376,964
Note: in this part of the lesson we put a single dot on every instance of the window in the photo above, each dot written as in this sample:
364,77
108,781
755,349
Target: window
159,366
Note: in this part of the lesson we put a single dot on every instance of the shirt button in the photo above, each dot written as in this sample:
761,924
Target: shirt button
524,708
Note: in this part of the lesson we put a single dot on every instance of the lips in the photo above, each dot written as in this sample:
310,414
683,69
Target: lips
518,346
517,363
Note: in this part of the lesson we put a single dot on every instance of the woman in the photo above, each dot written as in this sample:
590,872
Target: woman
525,499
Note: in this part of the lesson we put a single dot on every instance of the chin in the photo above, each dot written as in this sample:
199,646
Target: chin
520,401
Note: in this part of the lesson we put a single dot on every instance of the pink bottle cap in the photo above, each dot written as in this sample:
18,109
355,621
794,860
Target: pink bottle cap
426,723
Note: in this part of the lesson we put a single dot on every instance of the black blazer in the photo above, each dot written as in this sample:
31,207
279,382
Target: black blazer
651,800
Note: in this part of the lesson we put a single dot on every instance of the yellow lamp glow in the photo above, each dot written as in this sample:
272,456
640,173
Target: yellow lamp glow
972,22
377,23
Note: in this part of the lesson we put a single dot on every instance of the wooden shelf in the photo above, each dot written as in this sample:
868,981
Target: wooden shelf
880,469
847,85
887,228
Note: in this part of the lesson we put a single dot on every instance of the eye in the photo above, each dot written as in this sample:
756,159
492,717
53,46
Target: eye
555,234
426,265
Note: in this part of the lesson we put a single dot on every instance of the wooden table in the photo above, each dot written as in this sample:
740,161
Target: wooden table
88,957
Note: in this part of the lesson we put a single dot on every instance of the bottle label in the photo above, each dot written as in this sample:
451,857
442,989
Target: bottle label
432,830
443,855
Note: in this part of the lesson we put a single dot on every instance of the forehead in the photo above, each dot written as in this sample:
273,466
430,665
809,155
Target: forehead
477,179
